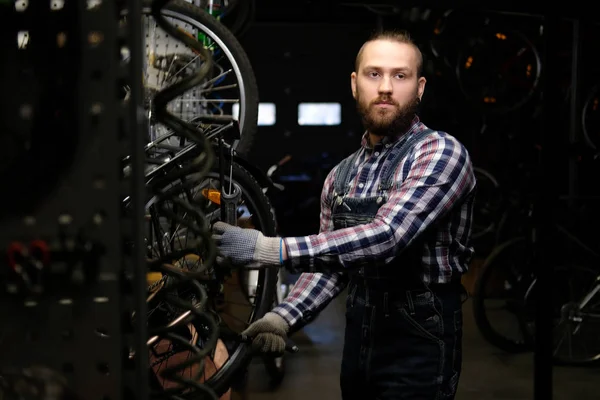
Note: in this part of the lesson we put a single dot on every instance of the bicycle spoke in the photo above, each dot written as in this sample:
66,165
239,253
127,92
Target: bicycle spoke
218,88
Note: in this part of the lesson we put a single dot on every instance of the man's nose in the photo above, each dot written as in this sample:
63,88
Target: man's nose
385,86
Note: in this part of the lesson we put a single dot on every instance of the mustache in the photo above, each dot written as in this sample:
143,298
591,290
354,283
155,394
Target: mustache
385,100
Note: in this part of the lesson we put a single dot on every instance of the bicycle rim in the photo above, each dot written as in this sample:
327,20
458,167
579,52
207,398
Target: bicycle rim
487,204
197,21
254,203
576,330
499,298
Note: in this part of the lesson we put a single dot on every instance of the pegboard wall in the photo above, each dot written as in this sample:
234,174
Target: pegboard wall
166,60
68,274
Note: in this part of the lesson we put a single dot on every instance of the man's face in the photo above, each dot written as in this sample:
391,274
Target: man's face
386,87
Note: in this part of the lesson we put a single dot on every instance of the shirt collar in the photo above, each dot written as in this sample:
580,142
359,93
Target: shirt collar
390,140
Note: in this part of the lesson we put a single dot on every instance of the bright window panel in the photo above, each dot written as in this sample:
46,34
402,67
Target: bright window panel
266,113
319,114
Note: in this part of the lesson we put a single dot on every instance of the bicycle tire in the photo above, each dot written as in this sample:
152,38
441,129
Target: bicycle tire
491,265
230,6
477,101
274,365
240,358
219,33
585,128
492,210
590,273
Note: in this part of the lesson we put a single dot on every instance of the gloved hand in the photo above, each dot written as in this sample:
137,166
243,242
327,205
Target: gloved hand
268,334
246,246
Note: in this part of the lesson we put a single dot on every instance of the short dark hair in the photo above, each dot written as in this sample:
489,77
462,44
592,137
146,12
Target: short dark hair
393,35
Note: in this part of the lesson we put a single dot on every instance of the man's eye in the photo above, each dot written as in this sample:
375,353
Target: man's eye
400,76
373,74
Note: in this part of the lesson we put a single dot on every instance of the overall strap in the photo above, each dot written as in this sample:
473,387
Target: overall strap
344,168
397,155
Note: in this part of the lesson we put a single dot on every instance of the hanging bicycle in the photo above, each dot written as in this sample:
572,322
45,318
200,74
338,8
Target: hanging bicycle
505,293
188,191
227,92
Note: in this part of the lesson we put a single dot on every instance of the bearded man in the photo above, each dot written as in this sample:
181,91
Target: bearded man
395,229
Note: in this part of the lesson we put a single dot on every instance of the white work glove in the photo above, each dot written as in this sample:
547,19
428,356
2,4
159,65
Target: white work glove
268,334
245,246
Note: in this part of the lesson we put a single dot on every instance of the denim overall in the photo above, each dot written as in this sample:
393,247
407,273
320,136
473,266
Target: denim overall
403,337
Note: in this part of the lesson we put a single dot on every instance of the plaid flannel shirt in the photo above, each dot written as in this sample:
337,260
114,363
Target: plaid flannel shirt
431,179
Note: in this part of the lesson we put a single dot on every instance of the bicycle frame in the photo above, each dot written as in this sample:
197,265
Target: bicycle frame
588,250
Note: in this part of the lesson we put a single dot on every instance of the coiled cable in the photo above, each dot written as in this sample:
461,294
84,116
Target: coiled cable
178,277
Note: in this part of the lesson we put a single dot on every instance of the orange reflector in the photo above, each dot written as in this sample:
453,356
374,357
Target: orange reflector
213,195
153,277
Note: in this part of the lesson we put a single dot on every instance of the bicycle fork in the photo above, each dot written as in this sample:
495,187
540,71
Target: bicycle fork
591,294
231,197
229,203
578,318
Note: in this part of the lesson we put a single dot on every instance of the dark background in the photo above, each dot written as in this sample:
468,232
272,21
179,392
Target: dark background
531,140
304,51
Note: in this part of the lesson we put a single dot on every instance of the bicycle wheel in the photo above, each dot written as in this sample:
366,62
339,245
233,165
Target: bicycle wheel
274,365
589,119
232,82
499,297
250,281
499,70
576,314
227,299
487,204
275,368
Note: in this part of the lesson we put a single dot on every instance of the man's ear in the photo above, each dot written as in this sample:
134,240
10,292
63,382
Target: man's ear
421,87
353,84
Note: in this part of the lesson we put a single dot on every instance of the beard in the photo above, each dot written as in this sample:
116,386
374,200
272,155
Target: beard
387,122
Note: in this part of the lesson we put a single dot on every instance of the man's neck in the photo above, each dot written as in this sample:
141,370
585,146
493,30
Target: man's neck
374,139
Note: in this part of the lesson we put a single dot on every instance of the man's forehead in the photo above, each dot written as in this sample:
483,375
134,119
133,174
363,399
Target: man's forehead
391,54
388,46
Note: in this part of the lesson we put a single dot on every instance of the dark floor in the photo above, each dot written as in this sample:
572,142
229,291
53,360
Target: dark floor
488,374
